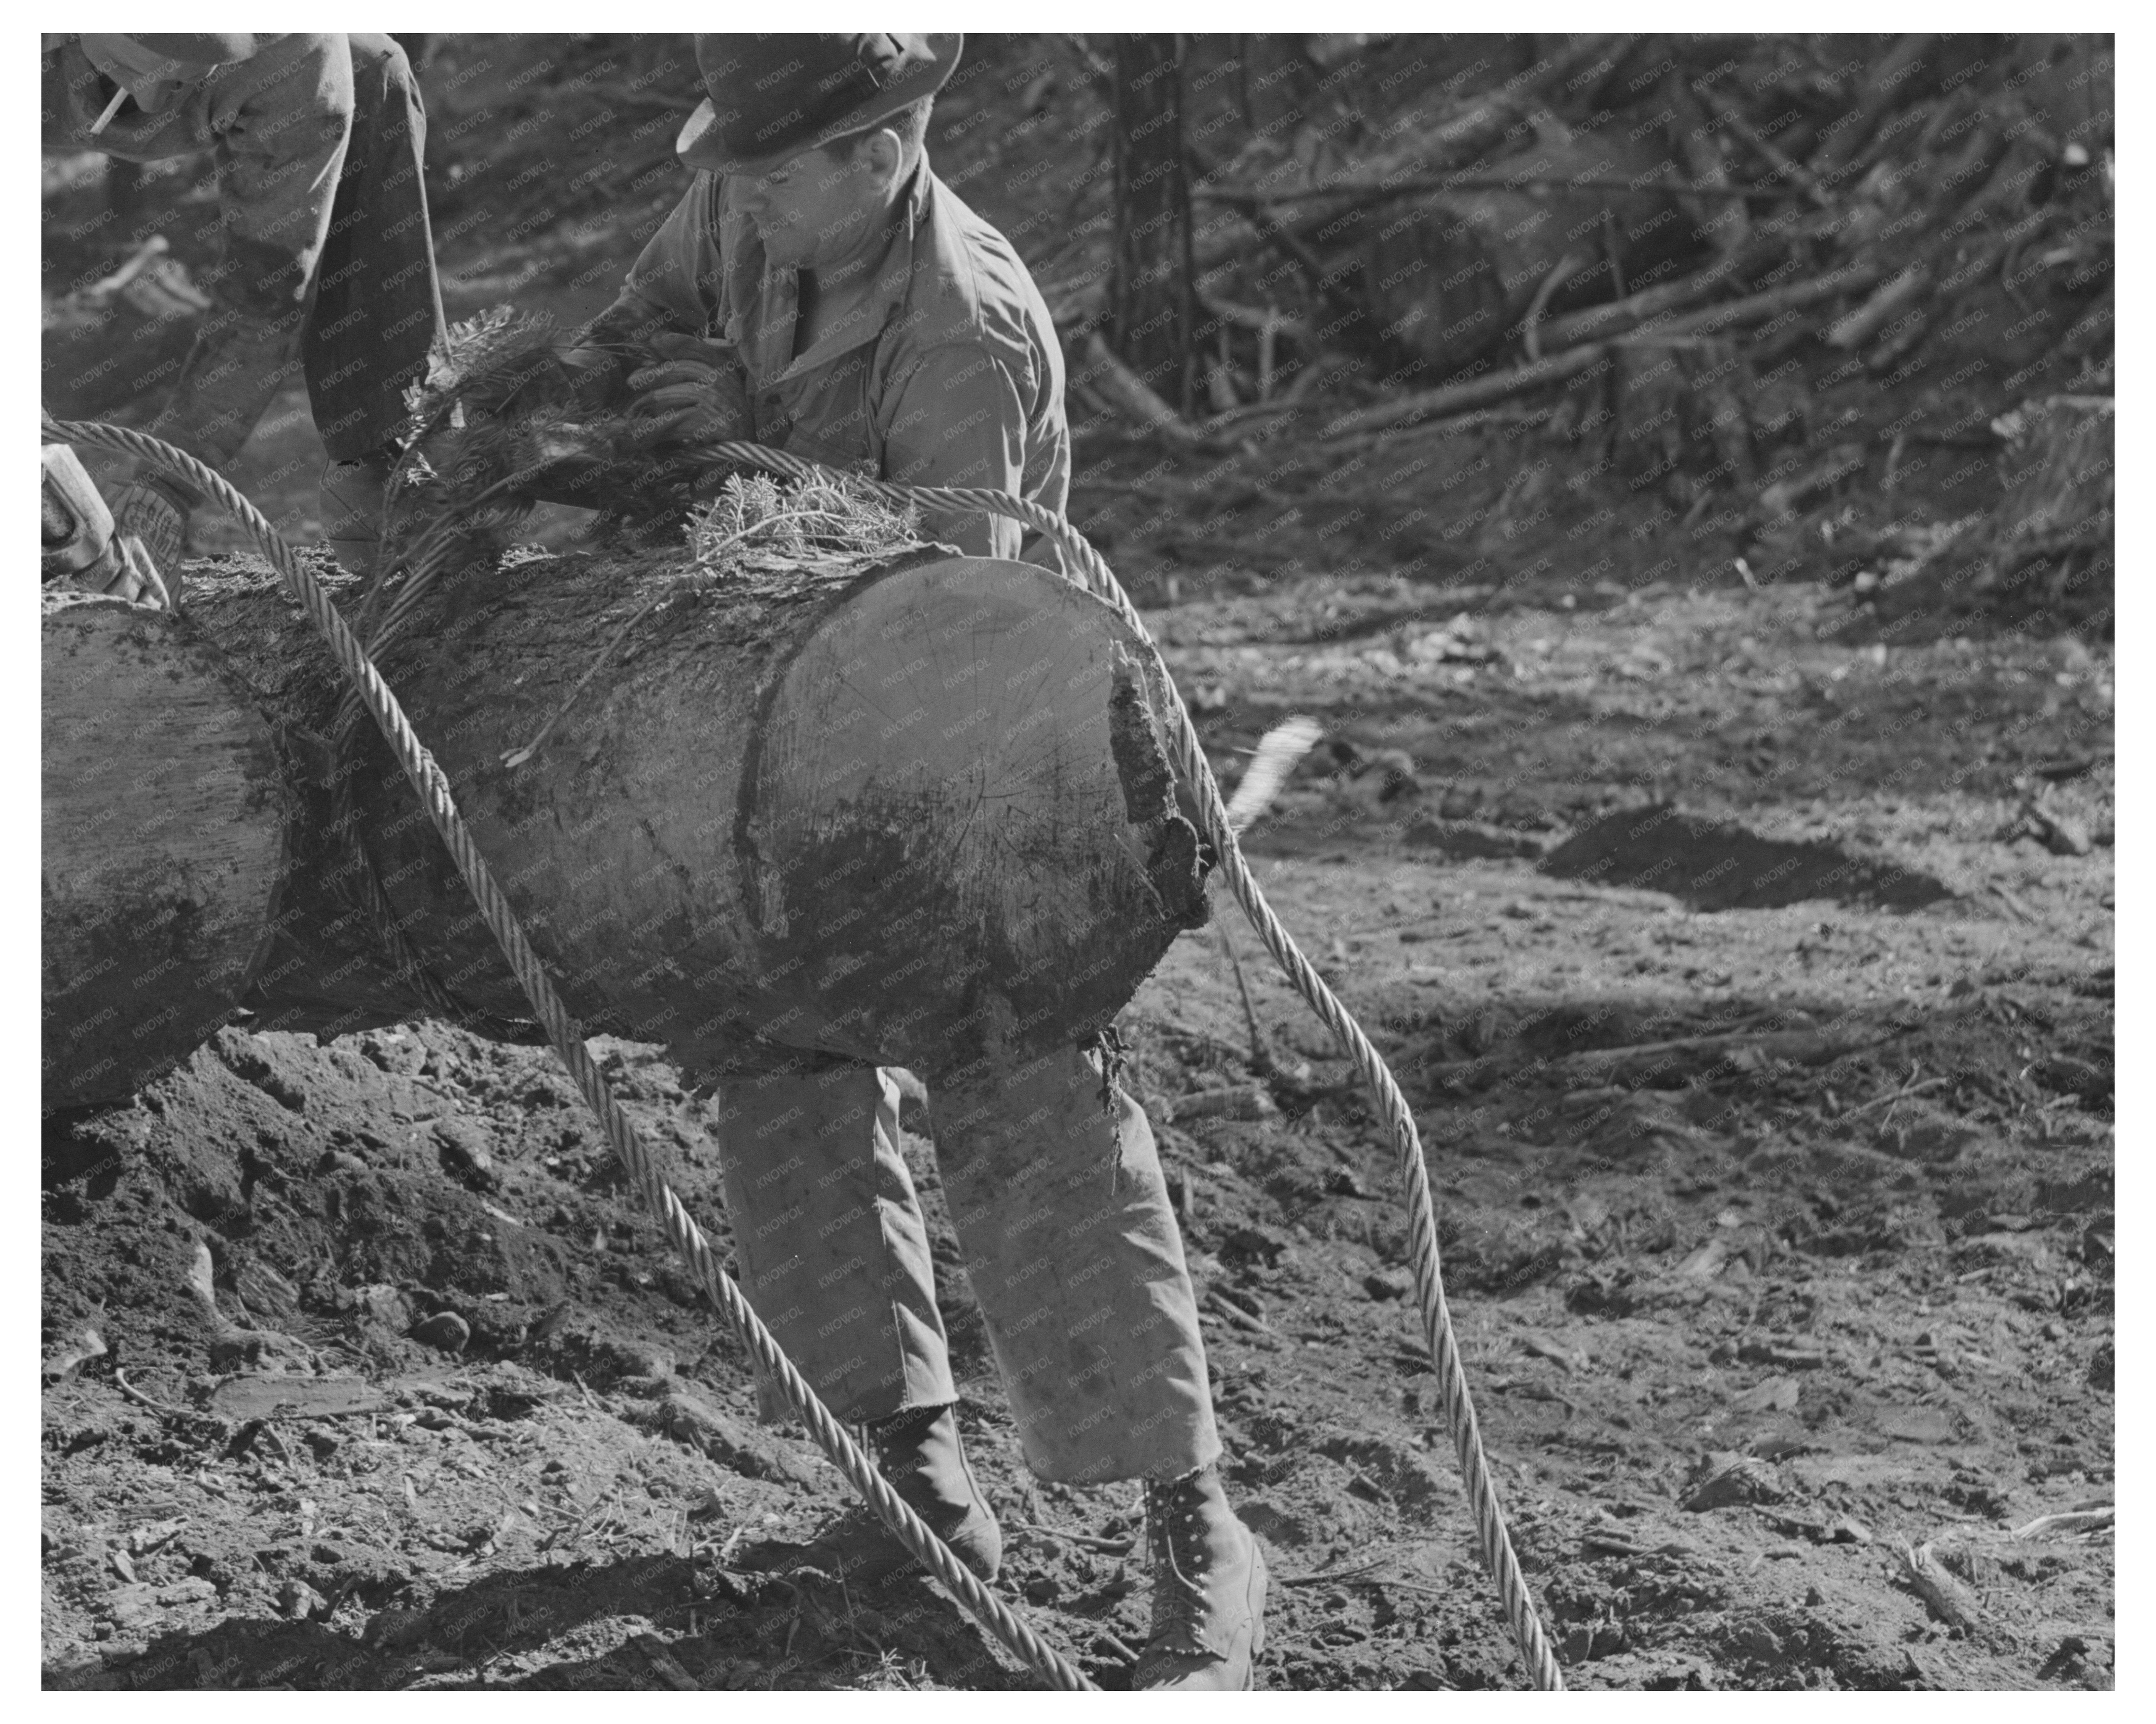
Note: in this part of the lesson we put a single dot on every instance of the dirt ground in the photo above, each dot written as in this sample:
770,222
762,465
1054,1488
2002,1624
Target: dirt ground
1744,946
1745,1316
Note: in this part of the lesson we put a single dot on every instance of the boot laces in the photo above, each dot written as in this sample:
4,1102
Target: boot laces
1180,1557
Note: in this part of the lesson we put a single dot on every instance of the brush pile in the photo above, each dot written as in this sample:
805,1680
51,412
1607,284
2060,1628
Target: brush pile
1766,282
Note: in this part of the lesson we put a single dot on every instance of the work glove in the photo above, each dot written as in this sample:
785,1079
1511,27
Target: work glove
126,571
696,392
147,511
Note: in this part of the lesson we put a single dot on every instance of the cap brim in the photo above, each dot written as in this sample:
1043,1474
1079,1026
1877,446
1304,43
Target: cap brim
701,145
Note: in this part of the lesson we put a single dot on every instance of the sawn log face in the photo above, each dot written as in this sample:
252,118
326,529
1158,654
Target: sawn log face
163,811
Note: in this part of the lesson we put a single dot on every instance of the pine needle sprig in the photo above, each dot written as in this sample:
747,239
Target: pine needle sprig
757,526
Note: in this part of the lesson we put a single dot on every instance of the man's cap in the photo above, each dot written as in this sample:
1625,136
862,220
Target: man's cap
774,96
200,51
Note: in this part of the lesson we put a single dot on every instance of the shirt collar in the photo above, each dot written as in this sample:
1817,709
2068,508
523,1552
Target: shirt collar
909,214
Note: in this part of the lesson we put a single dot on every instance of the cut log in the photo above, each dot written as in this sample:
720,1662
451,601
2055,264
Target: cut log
908,814
164,815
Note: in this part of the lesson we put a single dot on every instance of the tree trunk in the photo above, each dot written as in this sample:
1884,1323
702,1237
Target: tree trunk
1152,317
164,809
908,815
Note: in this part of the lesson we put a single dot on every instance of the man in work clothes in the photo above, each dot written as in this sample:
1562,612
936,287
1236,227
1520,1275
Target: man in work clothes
820,290
327,254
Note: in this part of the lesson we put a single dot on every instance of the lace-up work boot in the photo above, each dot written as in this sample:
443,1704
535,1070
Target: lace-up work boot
351,495
920,1453
1208,1588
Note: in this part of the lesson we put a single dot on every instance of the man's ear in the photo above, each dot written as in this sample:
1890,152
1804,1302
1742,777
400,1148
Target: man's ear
886,155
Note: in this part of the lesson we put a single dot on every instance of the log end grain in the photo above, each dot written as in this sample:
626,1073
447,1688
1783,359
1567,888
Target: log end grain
163,844
959,833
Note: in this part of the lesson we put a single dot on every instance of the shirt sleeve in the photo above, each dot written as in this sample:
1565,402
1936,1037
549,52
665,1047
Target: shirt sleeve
672,286
956,418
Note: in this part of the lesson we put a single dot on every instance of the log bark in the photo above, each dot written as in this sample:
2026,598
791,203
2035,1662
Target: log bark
164,810
910,815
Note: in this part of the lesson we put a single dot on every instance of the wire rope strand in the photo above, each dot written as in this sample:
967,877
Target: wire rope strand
1092,572
688,1238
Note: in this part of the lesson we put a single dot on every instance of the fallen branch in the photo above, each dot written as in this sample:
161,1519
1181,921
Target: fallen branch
1325,1575
1945,1597
1480,392
1459,397
1362,193
1084,1540
1859,327
1755,307
1883,90
1234,1314
136,1394
1795,172
1563,269
1893,1097
1261,1053
1240,1101
1615,316
1780,499
1134,398
2071,1521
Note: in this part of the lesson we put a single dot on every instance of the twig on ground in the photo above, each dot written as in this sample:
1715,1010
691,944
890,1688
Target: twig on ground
1262,1053
1103,1638
134,1393
2071,1521
1901,1095
1323,1575
1085,1540
1946,1597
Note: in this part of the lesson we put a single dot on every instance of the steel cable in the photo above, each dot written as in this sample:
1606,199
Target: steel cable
1094,573
688,1238
1496,1543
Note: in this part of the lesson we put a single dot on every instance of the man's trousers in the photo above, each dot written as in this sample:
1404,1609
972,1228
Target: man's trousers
377,304
1054,1189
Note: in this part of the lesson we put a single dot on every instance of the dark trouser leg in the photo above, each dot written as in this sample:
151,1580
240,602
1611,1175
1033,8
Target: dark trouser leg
377,305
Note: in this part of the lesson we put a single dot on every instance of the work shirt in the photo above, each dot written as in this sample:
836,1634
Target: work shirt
276,125
948,372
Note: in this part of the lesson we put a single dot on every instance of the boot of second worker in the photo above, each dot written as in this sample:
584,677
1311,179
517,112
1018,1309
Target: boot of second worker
1208,1589
920,1453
